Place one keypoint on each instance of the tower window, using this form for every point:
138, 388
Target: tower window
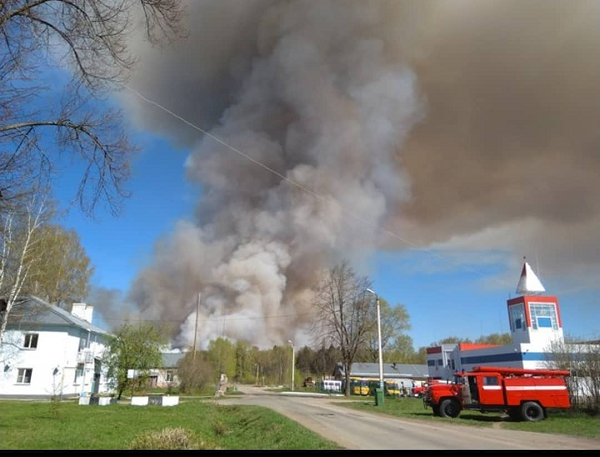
543, 315
517, 317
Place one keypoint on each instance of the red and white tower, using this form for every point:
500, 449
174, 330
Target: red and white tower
534, 318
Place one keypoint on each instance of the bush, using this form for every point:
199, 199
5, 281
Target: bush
167, 439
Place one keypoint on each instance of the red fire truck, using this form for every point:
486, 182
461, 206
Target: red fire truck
523, 394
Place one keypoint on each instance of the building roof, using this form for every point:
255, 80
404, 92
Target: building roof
390, 370
529, 283
170, 359
35, 311
473, 346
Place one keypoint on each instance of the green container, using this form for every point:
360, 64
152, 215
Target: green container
378, 397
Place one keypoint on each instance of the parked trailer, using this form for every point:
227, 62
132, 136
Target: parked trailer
522, 393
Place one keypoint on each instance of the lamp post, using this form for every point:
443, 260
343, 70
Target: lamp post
379, 339
293, 362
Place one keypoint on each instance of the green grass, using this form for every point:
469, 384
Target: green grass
412, 408
32, 425
561, 422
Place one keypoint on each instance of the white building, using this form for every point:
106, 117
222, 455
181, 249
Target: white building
47, 351
535, 323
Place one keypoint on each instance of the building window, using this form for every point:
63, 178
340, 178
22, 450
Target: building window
517, 317
24, 376
169, 376
78, 374
83, 343
490, 381
31, 341
543, 315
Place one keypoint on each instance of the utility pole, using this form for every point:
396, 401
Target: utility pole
293, 362
196, 327
257, 365
379, 339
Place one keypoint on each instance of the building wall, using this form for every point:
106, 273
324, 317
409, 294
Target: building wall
54, 362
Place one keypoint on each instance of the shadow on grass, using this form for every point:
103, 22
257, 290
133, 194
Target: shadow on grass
484, 418
463, 417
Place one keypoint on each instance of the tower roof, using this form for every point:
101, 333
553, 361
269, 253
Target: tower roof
529, 283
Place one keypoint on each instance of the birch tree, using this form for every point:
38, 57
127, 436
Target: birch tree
18, 253
344, 313
63, 270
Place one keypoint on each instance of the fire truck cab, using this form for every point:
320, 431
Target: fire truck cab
523, 394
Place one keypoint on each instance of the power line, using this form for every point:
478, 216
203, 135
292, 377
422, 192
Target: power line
308, 191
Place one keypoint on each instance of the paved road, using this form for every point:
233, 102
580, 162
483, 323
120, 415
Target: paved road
358, 430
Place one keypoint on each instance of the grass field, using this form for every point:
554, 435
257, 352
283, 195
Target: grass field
561, 422
33, 425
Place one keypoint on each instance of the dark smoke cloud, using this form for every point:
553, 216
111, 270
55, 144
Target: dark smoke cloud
509, 154
110, 305
466, 124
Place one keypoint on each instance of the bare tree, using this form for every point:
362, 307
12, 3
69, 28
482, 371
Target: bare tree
91, 38
17, 253
344, 313
582, 359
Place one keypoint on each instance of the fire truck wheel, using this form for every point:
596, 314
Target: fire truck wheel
532, 411
449, 408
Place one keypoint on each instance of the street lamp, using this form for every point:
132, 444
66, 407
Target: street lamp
293, 362
379, 338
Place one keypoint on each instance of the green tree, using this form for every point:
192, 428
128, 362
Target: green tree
133, 348
326, 360
451, 340
500, 339
63, 270
194, 373
401, 351
394, 322
421, 356
245, 365
221, 353
304, 360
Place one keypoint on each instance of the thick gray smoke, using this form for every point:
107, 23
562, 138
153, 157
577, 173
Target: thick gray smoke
310, 90
110, 307
467, 124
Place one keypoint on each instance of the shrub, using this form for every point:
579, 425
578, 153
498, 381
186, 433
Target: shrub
167, 439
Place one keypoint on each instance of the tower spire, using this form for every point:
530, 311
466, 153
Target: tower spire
529, 283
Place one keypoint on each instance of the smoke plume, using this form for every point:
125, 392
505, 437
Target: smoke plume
466, 123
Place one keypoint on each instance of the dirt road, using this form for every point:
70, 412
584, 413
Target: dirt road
358, 430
